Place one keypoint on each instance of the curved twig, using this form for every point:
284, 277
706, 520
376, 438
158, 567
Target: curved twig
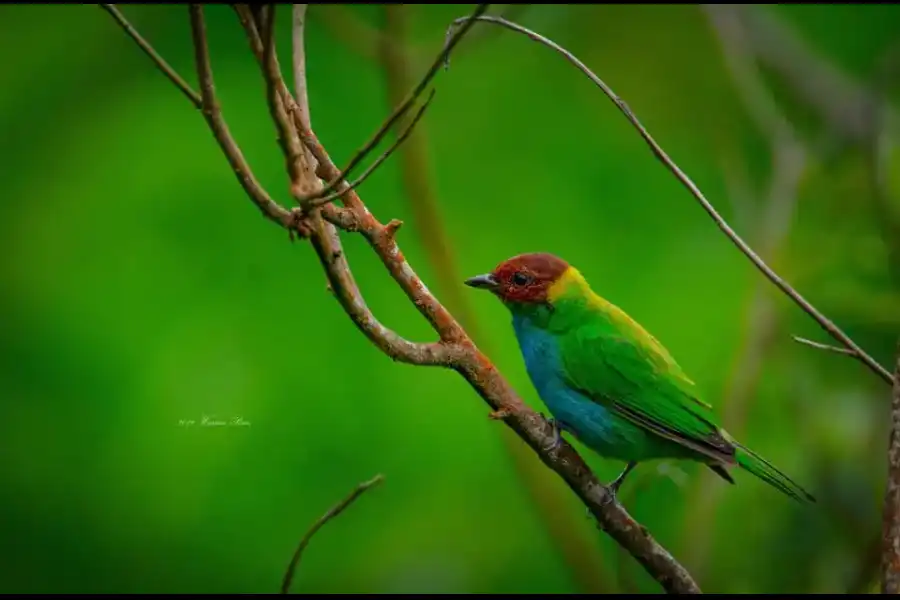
333, 512
465, 23
833, 330
404, 135
213, 115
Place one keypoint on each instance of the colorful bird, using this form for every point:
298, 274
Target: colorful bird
606, 380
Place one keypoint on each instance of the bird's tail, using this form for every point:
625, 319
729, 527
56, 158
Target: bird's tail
763, 469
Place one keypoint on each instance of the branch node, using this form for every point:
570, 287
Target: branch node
499, 415
299, 224
825, 347
390, 230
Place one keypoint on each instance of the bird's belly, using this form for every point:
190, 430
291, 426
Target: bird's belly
593, 424
596, 427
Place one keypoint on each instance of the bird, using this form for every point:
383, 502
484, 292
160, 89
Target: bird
607, 381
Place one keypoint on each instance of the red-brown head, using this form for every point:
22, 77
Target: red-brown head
526, 278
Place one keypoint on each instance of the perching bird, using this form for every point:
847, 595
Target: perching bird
606, 380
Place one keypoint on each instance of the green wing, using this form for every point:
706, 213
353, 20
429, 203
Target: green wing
623, 367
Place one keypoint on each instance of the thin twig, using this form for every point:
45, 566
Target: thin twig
788, 160
287, 135
404, 135
298, 62
327, 242
890, 549
657, 150
465, 24
160, 62
213, 115
821, 346
333, 512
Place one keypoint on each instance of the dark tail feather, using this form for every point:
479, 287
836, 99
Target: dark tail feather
721, 472
763, 469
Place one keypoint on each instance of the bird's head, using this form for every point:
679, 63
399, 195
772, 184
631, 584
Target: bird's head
527, 279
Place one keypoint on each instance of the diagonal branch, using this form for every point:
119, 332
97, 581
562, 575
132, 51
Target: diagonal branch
213, 115
566, 528
483, 376
455, 350
326, 242
833, 330
890, 552
160, 62
788, 163
404, 135
273, 76
333, 512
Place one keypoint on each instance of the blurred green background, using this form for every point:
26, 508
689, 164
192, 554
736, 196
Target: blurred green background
142, 290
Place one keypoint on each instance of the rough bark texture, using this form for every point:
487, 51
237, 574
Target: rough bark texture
890, 553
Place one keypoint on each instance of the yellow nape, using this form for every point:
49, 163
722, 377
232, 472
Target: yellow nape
569, 283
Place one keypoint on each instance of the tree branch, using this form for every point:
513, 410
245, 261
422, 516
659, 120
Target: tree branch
465, 24
565, 527
333, 512
298, 44
213, 115
833, 330
455, 350
346, 26
890, 551
287, 135
404, 135
788, 163
160, 62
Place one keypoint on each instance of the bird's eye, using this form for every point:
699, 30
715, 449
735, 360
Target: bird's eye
520, 279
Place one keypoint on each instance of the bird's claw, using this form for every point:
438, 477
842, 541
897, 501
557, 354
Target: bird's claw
610, 496
556, 442
613, 487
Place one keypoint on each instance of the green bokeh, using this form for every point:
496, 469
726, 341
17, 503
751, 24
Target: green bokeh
141, 288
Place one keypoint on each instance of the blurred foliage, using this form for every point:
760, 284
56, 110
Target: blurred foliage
140, 289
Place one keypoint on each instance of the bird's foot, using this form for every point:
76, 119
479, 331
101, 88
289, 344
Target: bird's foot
609, 497
613, 487
558, 428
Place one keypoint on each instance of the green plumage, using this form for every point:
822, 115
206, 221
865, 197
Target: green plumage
612, 360
615, 387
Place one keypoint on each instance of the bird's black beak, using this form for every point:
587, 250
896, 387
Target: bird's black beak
485, 282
